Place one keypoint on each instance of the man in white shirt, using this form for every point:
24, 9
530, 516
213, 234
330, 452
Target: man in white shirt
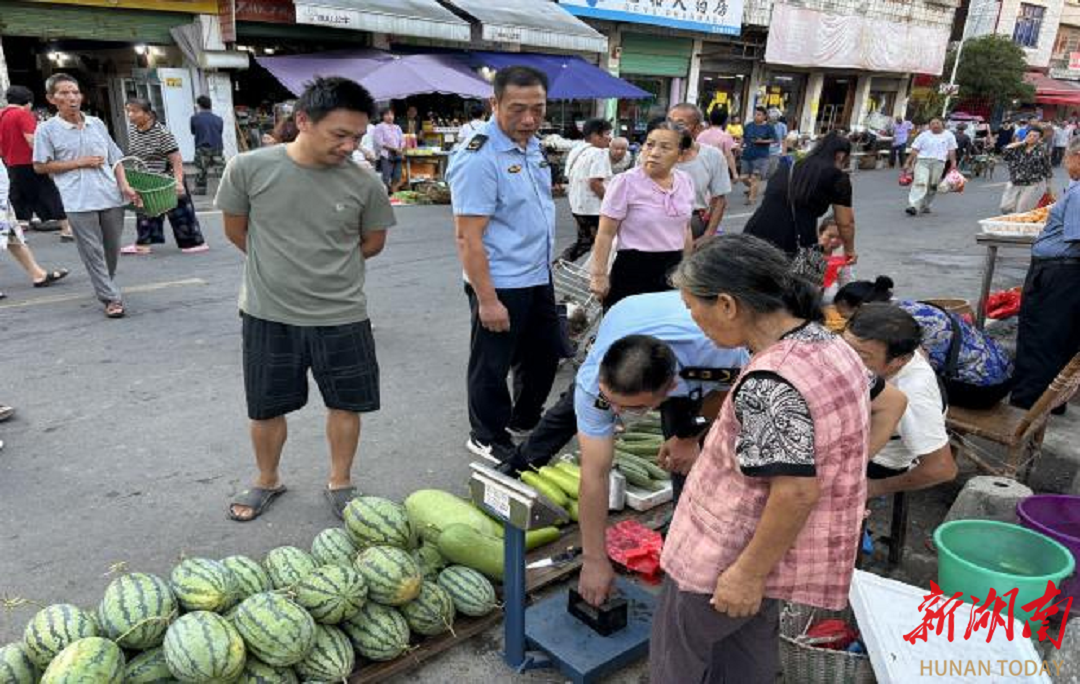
587, 168
888, 339
469, 129
928, 155
1062, 133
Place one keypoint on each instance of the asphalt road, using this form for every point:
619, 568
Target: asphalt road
131, 435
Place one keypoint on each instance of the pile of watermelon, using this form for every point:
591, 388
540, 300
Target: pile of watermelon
366, 588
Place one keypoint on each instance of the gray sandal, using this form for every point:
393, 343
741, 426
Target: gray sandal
258, 499
339, 499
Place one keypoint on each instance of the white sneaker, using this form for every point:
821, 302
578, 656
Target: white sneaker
484, 451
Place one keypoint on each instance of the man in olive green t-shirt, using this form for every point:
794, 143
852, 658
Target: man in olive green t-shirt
308, 218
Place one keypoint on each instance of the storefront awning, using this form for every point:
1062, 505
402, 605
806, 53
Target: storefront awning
569, 77
539, 23
423, 18
1052, 91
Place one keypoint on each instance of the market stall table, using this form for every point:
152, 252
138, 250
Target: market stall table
425, 165
993, 242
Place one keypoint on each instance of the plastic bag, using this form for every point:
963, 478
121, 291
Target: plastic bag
636, 547
1046, 200
906, 178
953, 181
1003, 304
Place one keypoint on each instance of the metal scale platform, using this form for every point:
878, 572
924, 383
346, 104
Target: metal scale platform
556, 638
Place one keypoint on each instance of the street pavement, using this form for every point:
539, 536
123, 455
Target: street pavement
130, 435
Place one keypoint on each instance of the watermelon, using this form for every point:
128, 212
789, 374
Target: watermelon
203, 584
250, 577
92, 660
149, 667
136, 611
53, 628
16, 666
393, 578
276, 630
331, 659
331, 593
430, 613
334, 546
378, 632
373, 521
258, 672
204, 646
430, 560
430, 511
471, 592
287, 565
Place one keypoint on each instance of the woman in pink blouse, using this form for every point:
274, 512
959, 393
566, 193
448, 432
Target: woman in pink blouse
649, 209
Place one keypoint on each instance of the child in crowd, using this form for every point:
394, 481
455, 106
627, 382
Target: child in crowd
838, 272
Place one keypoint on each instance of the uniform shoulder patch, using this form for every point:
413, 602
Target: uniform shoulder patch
476, 142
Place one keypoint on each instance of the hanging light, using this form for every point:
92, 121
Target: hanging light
140, 49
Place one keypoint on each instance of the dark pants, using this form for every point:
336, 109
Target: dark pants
635, 272
896, 153
691, 642
1049, 333
184, 222
207, 161
586, 236
1057, 155
531, 348
34, 193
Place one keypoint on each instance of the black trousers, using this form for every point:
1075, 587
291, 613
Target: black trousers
1049, 333
586, 236
636, 272
531, 349
896, 152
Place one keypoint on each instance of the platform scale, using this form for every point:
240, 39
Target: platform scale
546, 634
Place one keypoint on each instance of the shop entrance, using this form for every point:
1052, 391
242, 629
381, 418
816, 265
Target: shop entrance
834, 110
721, 91
634, 115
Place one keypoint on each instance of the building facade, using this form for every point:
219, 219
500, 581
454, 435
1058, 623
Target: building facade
1032, 24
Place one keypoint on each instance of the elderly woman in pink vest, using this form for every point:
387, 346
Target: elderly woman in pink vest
773, 506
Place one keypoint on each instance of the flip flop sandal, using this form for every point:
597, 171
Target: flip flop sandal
52, 277
67, 238
133, 249
258, 499
114, 310
6, 412
339, 499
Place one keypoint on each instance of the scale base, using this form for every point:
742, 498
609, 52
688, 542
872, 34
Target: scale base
577, 651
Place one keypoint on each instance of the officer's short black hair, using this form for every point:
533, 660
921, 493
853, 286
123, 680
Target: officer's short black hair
595, 127
637, 364
324, 95
520, 77
889, 324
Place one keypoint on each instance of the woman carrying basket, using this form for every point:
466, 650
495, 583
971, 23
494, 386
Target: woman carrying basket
77, 151
156, 147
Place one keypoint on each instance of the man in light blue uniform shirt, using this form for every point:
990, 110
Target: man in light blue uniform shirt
504, 224
1049, 330
662, 322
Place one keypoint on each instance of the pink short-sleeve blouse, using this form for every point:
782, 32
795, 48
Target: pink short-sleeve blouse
651, 219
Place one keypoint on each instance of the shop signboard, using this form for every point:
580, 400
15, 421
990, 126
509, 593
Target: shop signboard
334, 17
227, 19
185, 6
266, 11
1074, 61
708, 16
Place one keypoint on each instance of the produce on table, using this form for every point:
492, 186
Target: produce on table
1034, 216
16, 666
250, 577
334, 546
287, 565
149, 667
53, 628
93, 660
463, 545
572, 509
430, 613
430, 560
331, 593
203, 584
568, 483
378, 632
331, 659
393, 578
258, 672
203, 646
276, 630
546, 488
473, 595
374, 521
136, 610
431, 511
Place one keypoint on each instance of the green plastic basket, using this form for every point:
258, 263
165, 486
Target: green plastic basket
158, 192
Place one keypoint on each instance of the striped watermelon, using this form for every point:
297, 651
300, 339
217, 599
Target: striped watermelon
393, 578
471, 592
430, 613
136, 611
258, 672
331, 659
378, 632
203, 584
276, 630
16, 666
331, 593
287, 565
53, 628
250, 577
430, 560
149, 667
92, 660
334, 546
374, 521
203, 646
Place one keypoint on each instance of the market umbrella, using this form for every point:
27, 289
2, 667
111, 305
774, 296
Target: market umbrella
386, 76
569, 77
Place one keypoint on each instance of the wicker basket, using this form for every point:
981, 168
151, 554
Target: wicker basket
158, 192
805, 664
